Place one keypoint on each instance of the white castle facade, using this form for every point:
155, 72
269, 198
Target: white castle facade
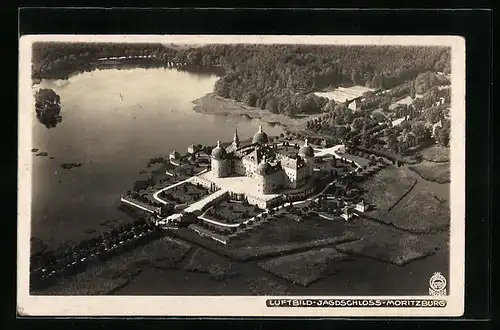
271, 166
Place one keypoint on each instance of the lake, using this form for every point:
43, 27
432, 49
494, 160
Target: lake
113, 122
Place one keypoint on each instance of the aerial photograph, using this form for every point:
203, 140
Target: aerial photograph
239, 169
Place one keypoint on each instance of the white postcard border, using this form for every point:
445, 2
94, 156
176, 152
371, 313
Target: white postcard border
29, 305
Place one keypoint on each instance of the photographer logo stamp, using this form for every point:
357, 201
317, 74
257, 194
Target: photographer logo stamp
437, 285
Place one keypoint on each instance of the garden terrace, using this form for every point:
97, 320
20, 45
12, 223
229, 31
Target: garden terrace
185, 193
328, 207
228, 211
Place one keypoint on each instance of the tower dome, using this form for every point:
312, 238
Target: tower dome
218, 152
263, 168
260, 137
306, 150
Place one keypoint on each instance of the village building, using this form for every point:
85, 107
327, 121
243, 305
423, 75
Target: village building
174, 155
347, 213
192, 149
361, 206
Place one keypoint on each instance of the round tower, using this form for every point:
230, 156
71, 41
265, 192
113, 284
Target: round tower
218, 161
262, 171
307, 153
260, 137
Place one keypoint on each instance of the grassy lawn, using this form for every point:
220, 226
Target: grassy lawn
436, 154
217, 267
388, 245
108, 276
387, 186
264, 286
430, 171
306, 267
423, 212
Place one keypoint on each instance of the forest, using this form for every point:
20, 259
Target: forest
278, 78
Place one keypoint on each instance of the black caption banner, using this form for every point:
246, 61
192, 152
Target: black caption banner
425, 303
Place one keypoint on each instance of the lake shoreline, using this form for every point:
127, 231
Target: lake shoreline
212, 104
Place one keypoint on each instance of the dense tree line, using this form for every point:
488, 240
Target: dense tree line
273, 77
74, 257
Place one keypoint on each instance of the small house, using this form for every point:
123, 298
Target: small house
361, 206
193, 149
347, 213
174, 155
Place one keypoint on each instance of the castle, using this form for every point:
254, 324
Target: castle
271, 166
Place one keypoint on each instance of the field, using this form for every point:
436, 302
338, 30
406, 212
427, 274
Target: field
217, 267
388, 245
264, 286
306, 267
430, 171
436, 154
423, 212
109, 276
386, 187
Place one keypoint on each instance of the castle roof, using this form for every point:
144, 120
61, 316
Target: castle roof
219, 153
260, 137
306, 150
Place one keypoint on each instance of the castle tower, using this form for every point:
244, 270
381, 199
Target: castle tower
307, 153
260, 137
236, 139
263, 170
219, 161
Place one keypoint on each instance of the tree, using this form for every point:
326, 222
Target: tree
250, 99
48, 107
378, 116
368, 95
329, 106
392, 141
358, 123
442, 136
421, 131
272, 105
